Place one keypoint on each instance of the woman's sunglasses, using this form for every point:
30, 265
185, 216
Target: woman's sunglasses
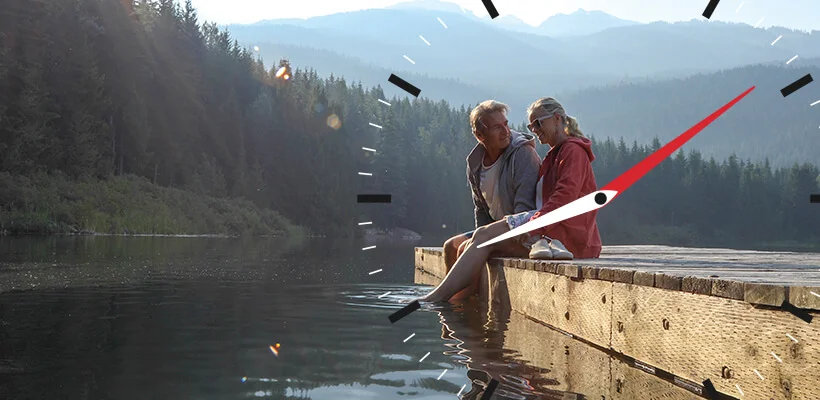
537, 123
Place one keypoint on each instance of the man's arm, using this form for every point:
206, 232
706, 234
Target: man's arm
526, 165
482, 215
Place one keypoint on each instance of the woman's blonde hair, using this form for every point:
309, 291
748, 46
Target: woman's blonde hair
550, 106
484, 108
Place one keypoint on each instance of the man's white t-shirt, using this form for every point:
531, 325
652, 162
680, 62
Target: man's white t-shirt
489, 188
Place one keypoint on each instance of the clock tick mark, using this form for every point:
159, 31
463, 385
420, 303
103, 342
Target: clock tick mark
442, 22
366, 173
377, 126
792, 59
778, 38
366, 223
408, 59
405, 311
408, 338
374, 198
383, 102
401, 83
369, 248
425, 356
425, 40
490, 389
376, 271
710, 8
368, 149
796, 85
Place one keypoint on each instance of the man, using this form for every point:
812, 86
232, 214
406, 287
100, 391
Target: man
502, 170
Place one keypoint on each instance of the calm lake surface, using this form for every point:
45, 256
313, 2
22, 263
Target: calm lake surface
195, 318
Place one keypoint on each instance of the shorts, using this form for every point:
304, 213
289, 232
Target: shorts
516, 220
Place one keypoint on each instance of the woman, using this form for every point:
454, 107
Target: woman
565, 176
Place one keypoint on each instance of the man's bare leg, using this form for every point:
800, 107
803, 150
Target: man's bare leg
469, 265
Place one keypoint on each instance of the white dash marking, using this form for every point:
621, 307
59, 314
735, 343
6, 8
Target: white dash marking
425, 356
818, 295
758, 374
778, 38
384, 295
442, 22
384, 102
366, 223
462, 389
442, 374
738, 7
776, 357
377, 126
792, 338
738, 389
369, 248
376, 271
758, 22
408, 338
425, 40
818, 101
366, 173
793, 58
368, 149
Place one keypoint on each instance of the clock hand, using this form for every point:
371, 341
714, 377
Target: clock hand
600, 198
592, 201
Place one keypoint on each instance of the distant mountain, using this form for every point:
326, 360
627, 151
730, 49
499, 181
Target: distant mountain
764, 124
581, 22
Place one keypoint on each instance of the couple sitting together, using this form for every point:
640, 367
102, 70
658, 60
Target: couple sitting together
512, 186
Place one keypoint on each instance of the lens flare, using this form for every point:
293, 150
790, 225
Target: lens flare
275, 349
334, 122
281, 72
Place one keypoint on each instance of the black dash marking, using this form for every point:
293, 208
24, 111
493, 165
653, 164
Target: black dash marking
404, 311
796, 85
490, 8
375, 198
709, 390
404, 85
710, 8
815, 198
490, 389
798, 312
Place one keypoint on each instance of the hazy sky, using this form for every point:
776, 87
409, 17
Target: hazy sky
797, 14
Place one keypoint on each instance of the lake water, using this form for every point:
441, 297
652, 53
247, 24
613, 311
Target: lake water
195, 318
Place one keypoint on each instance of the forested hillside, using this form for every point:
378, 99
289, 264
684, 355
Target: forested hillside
102, 89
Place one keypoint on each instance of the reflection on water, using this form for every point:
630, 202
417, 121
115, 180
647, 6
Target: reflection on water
194, 318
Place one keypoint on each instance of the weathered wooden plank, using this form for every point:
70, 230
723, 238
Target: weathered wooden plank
644, 278
616, 275
693, 284
629, 383
805, 296
728, 289
557, 300
765, 294
666, 281
695, 337
588, 272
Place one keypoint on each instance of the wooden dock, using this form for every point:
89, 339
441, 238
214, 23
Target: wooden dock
744, 321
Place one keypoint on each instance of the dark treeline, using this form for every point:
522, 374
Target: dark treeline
95, 89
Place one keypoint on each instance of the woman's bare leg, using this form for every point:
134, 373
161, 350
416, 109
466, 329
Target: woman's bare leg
474, 286
452, 249
469, 265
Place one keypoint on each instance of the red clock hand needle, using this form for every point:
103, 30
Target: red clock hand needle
602, 197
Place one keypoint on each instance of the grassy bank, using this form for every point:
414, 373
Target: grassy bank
52, 204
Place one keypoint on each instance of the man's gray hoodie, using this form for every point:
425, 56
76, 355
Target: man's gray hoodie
516, 181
